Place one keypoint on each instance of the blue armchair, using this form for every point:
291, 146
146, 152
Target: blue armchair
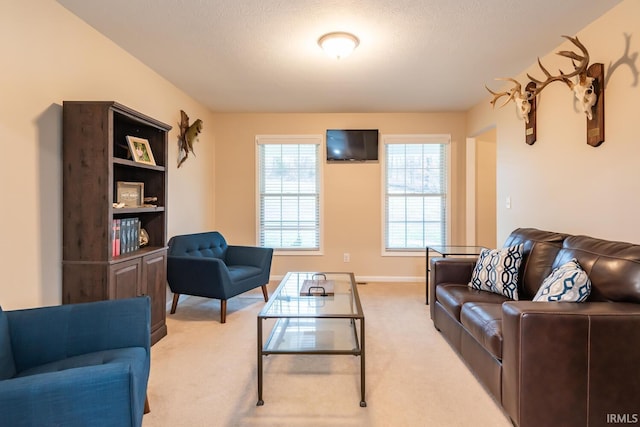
203, 264
75, 365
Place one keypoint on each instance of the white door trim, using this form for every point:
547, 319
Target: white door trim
470, 205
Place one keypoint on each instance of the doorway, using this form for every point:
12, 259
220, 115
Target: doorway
481, 189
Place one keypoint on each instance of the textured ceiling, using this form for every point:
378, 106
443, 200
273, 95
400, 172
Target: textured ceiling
262, 55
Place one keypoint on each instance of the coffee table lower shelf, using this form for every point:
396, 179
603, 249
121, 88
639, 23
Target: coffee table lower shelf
339, 335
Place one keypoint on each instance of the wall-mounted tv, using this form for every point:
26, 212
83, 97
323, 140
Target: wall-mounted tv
352, 145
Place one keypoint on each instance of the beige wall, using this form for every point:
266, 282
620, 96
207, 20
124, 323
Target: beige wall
486, 189
352, 205
561, 183
49, 55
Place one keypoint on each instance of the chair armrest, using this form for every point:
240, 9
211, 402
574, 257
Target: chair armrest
249, 255
46, 334
570, 364
201, 276
73, 397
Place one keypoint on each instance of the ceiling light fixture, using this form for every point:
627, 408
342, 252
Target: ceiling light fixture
338, 44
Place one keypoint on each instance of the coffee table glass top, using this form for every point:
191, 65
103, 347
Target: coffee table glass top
286, 300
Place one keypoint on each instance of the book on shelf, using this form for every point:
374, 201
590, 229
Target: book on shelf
317, 288
125, 236
116, 237
113, 238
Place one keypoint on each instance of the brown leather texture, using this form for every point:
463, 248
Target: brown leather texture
540, 250
449, 270
486, 368
612, 267
550, 363
570, 364
453, 297
484, 322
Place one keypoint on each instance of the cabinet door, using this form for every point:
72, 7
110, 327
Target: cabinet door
124, 279
154, 284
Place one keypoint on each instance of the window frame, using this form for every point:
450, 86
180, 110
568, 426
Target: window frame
421, 139
309, 139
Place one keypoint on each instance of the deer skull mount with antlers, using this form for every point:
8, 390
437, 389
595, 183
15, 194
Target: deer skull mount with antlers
587, 88
587, 84
515, 94
585, 94
582, 87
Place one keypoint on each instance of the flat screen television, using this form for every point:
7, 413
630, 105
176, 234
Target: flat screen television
352, 145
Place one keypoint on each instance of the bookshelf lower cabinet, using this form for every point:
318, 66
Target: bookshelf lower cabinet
124, 279
153, 282
143, 274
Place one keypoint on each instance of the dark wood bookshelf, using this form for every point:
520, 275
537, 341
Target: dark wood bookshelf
95, 158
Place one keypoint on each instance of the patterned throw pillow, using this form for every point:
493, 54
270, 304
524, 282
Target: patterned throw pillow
497, 271
567, 283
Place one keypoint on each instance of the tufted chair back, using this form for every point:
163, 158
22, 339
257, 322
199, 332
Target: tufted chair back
210, 244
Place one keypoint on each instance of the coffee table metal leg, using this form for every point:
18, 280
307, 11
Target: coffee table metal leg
363, 402
426, 277
260, 401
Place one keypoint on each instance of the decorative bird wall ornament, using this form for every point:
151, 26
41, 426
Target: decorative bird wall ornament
188, 135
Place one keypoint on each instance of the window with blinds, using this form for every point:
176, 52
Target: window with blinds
416, 182
289, 192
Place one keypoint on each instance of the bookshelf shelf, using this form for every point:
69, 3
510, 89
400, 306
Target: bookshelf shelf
95, 158
128, 211
131, 163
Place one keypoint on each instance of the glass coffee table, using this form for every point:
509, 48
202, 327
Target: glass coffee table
313, 313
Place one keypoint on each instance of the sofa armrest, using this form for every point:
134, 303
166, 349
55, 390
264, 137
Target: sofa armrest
249, 255
46, 334
448, 270
570, 364
451, 270
84, 396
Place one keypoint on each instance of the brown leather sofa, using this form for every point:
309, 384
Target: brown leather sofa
550, 363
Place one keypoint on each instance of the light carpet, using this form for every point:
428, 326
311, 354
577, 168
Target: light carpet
204, 373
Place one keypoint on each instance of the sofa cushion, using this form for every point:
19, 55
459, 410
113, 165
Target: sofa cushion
567, 283
484, 322
539, 253
613, 267
7, 366
453, 296
497, 271
240, 272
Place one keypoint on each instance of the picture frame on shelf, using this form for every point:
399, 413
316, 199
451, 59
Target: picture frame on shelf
131, 194
140, 150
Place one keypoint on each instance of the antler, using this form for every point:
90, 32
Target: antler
514, 94
511, 93
579, 69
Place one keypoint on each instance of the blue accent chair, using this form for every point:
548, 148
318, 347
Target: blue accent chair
75, 365
204, 265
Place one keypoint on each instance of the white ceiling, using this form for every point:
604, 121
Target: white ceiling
262, 55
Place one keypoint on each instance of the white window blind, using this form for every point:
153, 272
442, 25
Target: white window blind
416, 191
289, 192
